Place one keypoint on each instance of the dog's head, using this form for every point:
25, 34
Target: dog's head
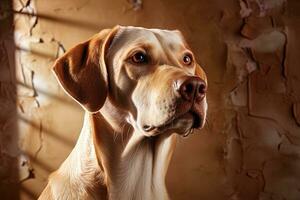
149, 74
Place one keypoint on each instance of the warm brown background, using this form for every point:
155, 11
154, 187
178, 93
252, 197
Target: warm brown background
249, 150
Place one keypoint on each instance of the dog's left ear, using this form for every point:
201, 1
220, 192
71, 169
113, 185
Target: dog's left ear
200, 72
82, 72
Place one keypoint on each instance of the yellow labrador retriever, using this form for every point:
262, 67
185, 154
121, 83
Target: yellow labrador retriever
138, 87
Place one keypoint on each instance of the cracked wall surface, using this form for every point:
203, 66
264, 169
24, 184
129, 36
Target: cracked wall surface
250, 147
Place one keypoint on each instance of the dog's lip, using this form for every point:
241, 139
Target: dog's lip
197, 121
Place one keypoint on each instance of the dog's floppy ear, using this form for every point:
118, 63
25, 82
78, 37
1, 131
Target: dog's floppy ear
200, 72
82, 72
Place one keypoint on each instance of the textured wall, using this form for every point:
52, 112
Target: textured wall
250, 147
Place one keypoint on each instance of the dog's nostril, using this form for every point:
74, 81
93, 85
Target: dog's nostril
202, 88
188, 88
147, 128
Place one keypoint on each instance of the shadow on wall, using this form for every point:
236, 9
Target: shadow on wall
68, 21
21, 130
9, 151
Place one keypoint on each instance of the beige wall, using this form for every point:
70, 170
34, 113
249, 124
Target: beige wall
250, 148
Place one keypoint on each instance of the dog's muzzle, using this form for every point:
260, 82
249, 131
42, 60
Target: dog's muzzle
191, 92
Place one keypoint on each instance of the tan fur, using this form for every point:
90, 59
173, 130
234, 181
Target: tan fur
115, 158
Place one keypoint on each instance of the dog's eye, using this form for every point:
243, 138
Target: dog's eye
139, 58
187, 59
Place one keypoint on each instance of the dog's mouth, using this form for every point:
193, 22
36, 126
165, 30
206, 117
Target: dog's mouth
183, 124
197, 119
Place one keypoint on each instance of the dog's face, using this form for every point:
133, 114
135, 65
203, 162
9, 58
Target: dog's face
149, 74
152, 75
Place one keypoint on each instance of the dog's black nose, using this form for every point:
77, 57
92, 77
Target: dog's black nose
192, 88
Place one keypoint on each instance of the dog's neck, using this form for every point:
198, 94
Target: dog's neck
133, 166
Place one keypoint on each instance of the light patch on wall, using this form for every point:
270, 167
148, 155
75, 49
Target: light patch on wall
266, 42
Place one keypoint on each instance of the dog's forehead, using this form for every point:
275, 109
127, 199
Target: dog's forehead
164, 37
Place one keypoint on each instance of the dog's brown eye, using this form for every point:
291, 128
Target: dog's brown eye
187, 59
139, 58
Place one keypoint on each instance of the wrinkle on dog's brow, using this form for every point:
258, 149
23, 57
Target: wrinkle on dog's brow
115, 39
171, 57
123, 38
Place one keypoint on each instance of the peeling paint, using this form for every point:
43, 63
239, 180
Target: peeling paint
136, 4
245, 10
265, 129
296, 112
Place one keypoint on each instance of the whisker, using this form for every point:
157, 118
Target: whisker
172, 123
207, 123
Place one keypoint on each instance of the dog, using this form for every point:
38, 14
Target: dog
141, 89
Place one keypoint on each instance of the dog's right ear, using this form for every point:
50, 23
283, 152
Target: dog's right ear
82, 72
